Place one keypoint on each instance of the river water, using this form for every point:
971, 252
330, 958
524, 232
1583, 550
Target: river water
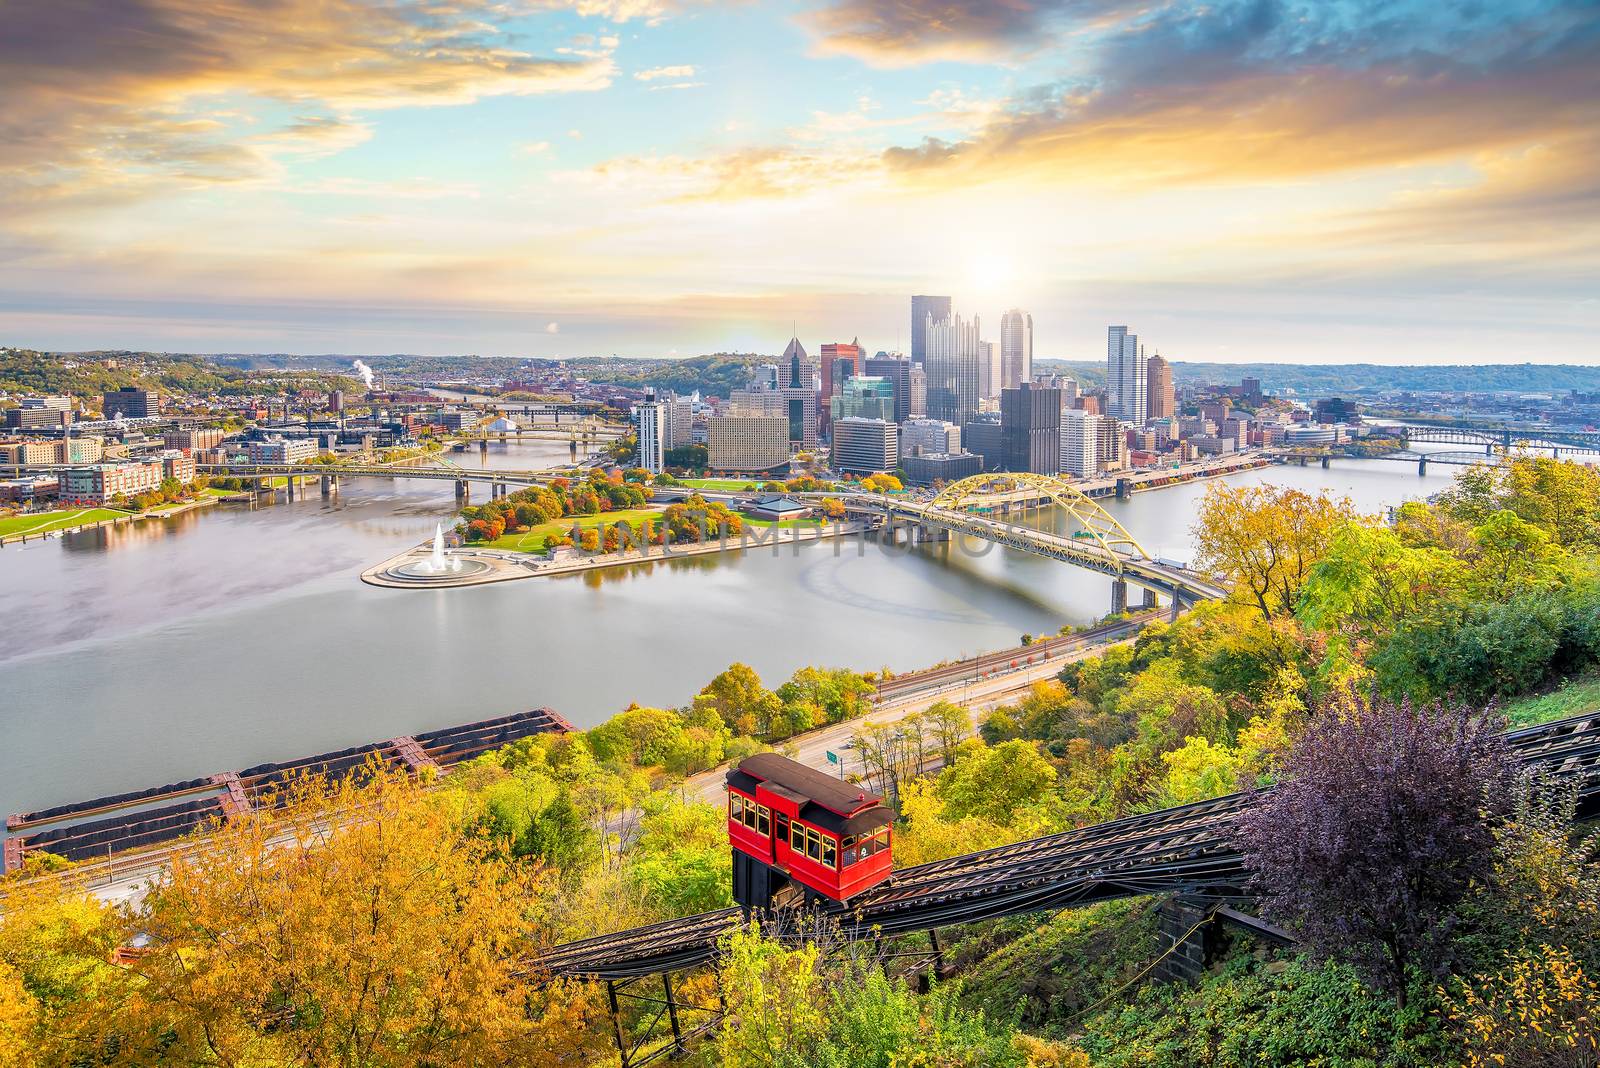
167, 649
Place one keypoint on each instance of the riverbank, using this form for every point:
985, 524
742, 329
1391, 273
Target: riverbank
71, 521
505, 565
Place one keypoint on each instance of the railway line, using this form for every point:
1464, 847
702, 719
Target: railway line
1185, 850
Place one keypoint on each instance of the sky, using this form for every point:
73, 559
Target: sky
1277, 180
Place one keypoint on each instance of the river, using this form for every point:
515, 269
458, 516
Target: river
167, 649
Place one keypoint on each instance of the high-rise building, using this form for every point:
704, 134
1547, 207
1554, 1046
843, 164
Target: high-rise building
1030, 427
952, 361
1080, 435
898, 371
1127, 377
650, 421
130, 402
1111, 445
1016, 348
679, 413
865, 397
983, 436
747, 444
918, 436
1162, 402
989, 374
838, 362
917, 389
923, 311
865, 446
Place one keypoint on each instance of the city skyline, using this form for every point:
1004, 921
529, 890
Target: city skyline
1263, 180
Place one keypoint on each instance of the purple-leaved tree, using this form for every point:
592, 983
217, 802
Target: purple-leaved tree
1384, 819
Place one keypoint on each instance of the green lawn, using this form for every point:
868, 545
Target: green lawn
40, 522
213, 491
1576, 697
532, 540
724, 485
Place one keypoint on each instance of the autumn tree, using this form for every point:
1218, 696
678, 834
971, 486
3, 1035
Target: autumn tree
1384, 822
351, 925
1266, 539
741, 701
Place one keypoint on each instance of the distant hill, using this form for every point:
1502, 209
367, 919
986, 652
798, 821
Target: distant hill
1322, 379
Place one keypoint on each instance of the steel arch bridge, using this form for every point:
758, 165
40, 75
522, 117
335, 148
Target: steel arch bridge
1101, 544
978, 490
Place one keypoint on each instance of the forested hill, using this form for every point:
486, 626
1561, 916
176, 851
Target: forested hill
1370, 377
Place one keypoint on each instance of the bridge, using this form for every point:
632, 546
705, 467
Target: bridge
500, 482
1097, 541
1501, 437
1187, 852
1303, 455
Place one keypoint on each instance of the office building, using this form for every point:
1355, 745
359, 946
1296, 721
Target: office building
1111, 445
190, 440
839, 362
919, 436
1080, 438
1217, 411
865, 397
1030, 423
925, 310
24, 453
934, 467
1162, 402
99, 484
898, 371
953, 362
37, 413
679, 414
650, 423
1336, 410
865, 446
130, 402
1016, 348
277, 450
82, 449
983, 436
989, 379
1127, 377
747, 444
917, 389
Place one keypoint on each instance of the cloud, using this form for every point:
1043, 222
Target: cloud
899, 33
678, 85
655, 73
534, 148
754, 173
106, 100
1264, 90
552, 328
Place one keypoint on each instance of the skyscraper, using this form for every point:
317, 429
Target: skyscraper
652, 433
1080, 431
952, 361
1016, 348
1162, 402
898, 371
798, 376
1127, 384
989, 375
1030, 428
917, 390
839, 362
923, 311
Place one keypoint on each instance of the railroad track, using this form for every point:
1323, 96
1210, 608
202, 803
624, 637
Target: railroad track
1183, 850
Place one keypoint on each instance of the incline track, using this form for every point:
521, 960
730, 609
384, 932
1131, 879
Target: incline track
1184, 850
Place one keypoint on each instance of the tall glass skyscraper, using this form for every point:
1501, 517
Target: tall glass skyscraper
923, 311
1127, 377
954, 368
1016, 348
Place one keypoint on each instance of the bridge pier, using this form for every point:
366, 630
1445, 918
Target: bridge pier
1124, 489
1119, 596
1422, 466
1301, 460
1327, 462
330, 485
290, 483
1148, 601
463, 491
1186, 928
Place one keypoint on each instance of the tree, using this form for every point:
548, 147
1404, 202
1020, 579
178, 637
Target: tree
1266, 539
1384, 823
994, 782
741, 701
348, 925
950, 724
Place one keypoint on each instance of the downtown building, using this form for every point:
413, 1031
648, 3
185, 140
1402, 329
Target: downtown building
864, 397
926, 436
898, 371
925, 310
650, 423
953, 362
1127, 377
130, 402
1030, 429
865, 446
1081, 442
1162, 401
1016, 348
747, 444
99, 484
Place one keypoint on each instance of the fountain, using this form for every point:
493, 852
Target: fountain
437, 567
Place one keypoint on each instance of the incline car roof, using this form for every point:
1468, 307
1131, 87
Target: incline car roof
831, 793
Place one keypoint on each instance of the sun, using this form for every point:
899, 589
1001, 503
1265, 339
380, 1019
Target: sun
989, 273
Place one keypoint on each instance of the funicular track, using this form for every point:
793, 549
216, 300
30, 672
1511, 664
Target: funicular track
1185, 850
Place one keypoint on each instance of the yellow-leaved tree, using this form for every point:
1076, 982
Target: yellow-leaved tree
1267, 539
